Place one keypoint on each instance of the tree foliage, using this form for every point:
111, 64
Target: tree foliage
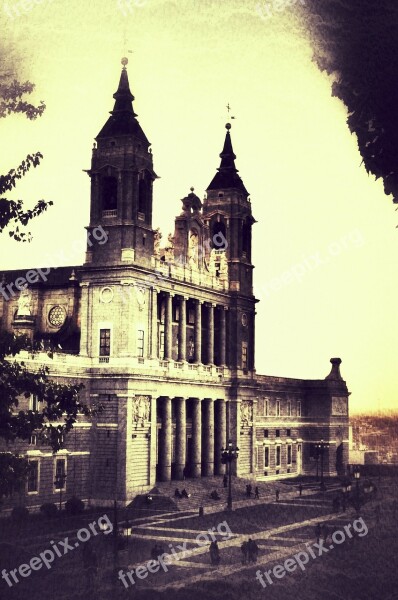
58, 404
355, 41
12, 212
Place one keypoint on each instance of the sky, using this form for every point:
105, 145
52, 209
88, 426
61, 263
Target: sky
325, 242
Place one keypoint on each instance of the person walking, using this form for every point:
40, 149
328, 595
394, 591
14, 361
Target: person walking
214, 553
256, 493
245, 553
300, 490
253, 550
225, 481
318, 532
277, 495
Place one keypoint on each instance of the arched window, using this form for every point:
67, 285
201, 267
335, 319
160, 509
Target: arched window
246, 235
109, 193
219, 236
144, 192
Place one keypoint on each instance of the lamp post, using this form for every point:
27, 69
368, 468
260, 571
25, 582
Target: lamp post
228, 455
357, 477
321, 447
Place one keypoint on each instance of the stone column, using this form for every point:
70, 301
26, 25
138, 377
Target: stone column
154, 324
168, 333
223, 335
84, 320
196, 466
181, 437
208, 438
182, 330
221, 434
198, 331
210, 339
165, 440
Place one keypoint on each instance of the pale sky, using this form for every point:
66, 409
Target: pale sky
325, 244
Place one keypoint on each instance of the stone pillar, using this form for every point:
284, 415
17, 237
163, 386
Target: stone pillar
196, 466
182, 330
165, 440
221, 434
168, 332
210, 339
154, 324
198, 331
84, 320
208, 438
181, 437
223, 335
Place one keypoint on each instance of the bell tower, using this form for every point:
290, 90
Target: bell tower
122, 176
228, 213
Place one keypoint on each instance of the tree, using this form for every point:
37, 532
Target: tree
59, 403
355, 42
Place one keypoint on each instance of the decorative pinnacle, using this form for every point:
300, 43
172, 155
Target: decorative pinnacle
124, 61
192, 189
228, 126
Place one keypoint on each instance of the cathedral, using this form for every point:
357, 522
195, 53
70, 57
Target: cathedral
162, 335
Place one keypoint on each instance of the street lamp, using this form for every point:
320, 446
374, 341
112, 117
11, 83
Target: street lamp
320, 448
357, 477
228, 455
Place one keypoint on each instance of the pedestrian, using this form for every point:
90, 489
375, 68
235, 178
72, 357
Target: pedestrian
277, 495
253, 550
249, 490
318, 532
324, 532
256, 492
214, 553
245, 553
300, 490
225, 481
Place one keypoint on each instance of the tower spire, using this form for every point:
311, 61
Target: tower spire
123, 119
227, 175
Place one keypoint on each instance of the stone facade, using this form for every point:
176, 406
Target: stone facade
163, 338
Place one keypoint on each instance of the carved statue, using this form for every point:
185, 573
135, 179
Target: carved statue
193, 243
246, 412
169, 250
157, 238
141, 410
25, 303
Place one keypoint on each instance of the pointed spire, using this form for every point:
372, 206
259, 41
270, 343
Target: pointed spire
227, 176
123, 119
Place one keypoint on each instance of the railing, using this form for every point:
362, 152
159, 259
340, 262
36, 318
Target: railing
104, 359
109, 213
141, 360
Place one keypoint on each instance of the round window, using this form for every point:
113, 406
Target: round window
56, 316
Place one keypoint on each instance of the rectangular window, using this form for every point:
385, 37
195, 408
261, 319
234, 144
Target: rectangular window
244, 355
278, 456
140, 343
277, 433
266, 408
33, 440
105, 342
289, 408
289, 454
288, 433
265, 433
33, 403
33, 476
176, 313
266, 457
161, 345
299, 408
278, 408
191, 316
60, 474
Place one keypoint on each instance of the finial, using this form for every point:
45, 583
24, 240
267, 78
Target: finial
124, 61
192, 189
228, 126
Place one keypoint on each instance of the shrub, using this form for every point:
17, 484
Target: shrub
49, 509
74, 506
20, 513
